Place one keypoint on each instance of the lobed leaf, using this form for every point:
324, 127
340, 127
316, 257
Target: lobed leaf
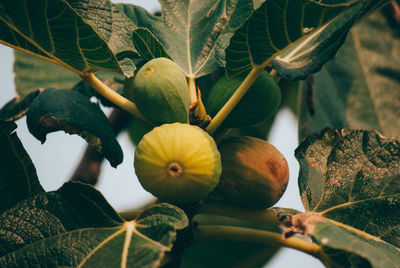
73, 112
191, 31
308, 32
75, 226
350, 186
18, 179
72, 33
359, 87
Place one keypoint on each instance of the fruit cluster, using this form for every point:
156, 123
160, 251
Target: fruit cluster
179, 162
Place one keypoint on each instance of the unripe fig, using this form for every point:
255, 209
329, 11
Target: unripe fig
160, 92
254, 173
178, 163
260, 102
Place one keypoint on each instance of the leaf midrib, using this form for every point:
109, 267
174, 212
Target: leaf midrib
367, 236
348, 204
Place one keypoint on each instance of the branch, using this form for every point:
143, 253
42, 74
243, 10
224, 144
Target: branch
88, 170
234, 233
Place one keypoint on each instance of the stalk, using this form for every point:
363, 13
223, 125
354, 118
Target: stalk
192, 90
234, 233
259, 215
236, 97
112, 96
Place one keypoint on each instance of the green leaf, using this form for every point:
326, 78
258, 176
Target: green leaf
73, 34
77, 227
351, 173
372, 251
309, 56
191, 31
18, 179
122, 26
359, 87
343, 245
351, 181
73, 112
17, 107
32, 73
306, 27
148, 45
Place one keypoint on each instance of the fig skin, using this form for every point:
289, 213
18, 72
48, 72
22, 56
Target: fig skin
254, 173
261, 101
160, 92
178, 163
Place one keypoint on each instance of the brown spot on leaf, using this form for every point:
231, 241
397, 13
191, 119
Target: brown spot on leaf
334, 181
301, 224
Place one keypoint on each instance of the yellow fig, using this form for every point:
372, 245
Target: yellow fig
178, 163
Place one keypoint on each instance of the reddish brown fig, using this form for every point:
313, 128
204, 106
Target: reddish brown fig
254, 173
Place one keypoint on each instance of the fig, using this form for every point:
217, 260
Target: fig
178, 163
254, 173
160, 92
261, 101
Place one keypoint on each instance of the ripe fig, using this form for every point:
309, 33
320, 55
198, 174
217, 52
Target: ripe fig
160, 92
254, 173
260, 102
178, 163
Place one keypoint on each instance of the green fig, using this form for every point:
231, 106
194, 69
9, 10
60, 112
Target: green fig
160, 92
261, 101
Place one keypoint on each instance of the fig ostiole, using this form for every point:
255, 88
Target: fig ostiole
261, 101
178, 163
160, 92
254, 173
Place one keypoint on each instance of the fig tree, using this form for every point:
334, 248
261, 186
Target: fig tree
254, 173
160, 92
260, 102
178, 163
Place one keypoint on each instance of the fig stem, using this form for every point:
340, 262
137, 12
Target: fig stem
192, 90
130, 215
275, 75
235, 98
235, 233
112, 96
259, 215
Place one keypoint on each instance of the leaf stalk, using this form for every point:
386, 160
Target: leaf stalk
192, 90
235, 98
112, 96
235, 233
258, 215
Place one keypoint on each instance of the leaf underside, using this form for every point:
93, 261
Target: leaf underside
68, 110
348, 173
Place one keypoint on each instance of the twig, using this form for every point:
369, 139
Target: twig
88, 169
